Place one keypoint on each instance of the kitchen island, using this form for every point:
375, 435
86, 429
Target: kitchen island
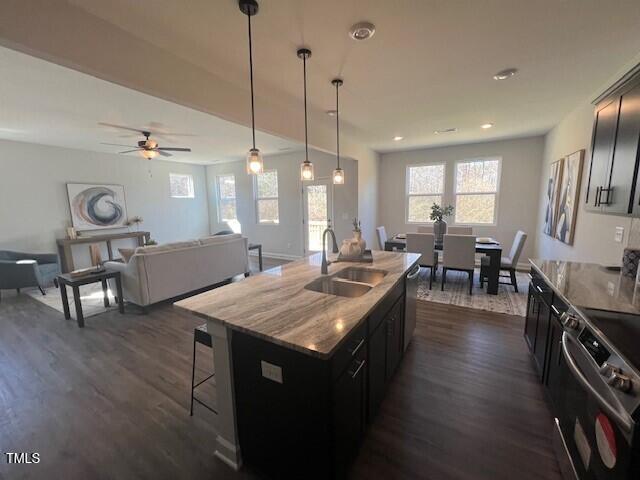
302, 360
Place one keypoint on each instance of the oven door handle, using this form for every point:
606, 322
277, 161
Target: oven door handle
624, 421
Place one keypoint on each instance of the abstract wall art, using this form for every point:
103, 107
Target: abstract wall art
571, 178
95, 207
551, 198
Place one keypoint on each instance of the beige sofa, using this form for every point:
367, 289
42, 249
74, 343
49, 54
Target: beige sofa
159, 272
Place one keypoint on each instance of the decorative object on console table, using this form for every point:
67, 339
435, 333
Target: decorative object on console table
71, 233
630, 260
96, 257
553, 192
439, 225
570, 180
137, 220
95, 207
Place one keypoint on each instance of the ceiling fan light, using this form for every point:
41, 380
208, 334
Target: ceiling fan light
149, 154
306, 171
338, 176
255, 164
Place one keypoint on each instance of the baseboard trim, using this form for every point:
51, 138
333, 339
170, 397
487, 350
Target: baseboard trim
279, 256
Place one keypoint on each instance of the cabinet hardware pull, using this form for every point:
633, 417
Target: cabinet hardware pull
530, 276
355, 374
539, 289
597, 202
358, 346
555, 310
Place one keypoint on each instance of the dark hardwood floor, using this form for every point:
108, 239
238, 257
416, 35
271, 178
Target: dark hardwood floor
112, 400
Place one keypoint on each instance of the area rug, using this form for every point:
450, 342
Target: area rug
456, 292
91, 295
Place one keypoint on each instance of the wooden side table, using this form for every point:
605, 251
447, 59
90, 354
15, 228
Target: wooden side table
65, 280
257, 246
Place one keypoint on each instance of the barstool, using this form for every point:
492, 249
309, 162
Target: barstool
201, 336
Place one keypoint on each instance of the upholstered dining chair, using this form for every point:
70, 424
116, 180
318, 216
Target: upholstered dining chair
458, 253
424, 244
460, 230
381, 232
425, 229
509, 263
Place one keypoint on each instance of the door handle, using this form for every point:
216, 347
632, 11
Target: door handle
539, 289
623, 420
357, 371
357, 348
555, 310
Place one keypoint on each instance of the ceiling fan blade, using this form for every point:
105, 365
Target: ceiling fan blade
174, 149
129, 151
121, 127
117, 145
164, 154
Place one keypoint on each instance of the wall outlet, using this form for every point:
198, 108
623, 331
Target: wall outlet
271, 371
619, 234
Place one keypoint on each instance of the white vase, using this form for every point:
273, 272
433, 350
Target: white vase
350, 248
357, 236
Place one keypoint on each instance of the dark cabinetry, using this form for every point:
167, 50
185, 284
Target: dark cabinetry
310, 416
614, 154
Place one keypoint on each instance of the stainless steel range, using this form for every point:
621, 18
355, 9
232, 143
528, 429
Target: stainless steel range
599, 390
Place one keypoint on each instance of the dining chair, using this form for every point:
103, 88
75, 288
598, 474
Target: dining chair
425, 229
381, 232
458, 253
460, 230
424, 244
509, 263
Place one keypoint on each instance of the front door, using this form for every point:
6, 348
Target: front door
318, 209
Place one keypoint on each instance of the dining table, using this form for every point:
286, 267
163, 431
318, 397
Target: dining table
491, 249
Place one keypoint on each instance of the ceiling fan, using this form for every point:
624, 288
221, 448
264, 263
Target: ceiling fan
148, 147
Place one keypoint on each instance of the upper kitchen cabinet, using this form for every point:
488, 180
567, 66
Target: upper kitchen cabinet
614, 159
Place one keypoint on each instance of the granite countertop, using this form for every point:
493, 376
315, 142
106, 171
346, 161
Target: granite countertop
590, 286
274, 304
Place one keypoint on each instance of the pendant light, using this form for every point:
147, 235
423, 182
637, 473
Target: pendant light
306, 167
255, 164
338, 173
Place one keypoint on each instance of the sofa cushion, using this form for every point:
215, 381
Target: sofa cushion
213, 239
166, 247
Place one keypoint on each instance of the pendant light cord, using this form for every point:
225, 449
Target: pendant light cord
337, 125
253, 114
306, 129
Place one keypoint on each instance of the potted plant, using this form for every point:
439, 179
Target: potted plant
357, 235
439, 225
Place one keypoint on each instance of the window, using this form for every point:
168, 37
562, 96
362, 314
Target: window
226, 198
425, 186
181, 185
266, 188
476, 191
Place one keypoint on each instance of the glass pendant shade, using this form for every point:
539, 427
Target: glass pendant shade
338, 176
306, 171
149, 154
255, 164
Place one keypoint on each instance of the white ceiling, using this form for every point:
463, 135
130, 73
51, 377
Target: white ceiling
44, 103
428, 67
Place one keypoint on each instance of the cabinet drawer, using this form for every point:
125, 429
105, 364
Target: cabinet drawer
540, 287
385, 306
350, 349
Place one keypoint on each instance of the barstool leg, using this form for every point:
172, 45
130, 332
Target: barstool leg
193, 374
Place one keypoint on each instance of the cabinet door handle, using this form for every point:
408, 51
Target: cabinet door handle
539, 289
555, 310
358, 347
355, 374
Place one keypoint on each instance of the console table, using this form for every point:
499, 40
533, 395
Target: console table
65, 244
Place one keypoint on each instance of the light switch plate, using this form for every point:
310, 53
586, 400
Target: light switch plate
619, 234
271, 371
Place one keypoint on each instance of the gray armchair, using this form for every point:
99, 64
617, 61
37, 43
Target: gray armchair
19, 270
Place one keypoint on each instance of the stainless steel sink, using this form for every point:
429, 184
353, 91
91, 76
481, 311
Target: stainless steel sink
334, 286
369, 276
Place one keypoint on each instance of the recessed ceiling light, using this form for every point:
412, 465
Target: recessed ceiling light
446, 130
362, 30
506, 73
397, 138
331, 113
486, 125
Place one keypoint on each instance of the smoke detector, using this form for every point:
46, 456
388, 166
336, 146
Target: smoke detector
362, 30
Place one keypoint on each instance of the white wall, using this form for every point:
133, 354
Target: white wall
285, 239
34, 207
369, 195
594, 235
519, 186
